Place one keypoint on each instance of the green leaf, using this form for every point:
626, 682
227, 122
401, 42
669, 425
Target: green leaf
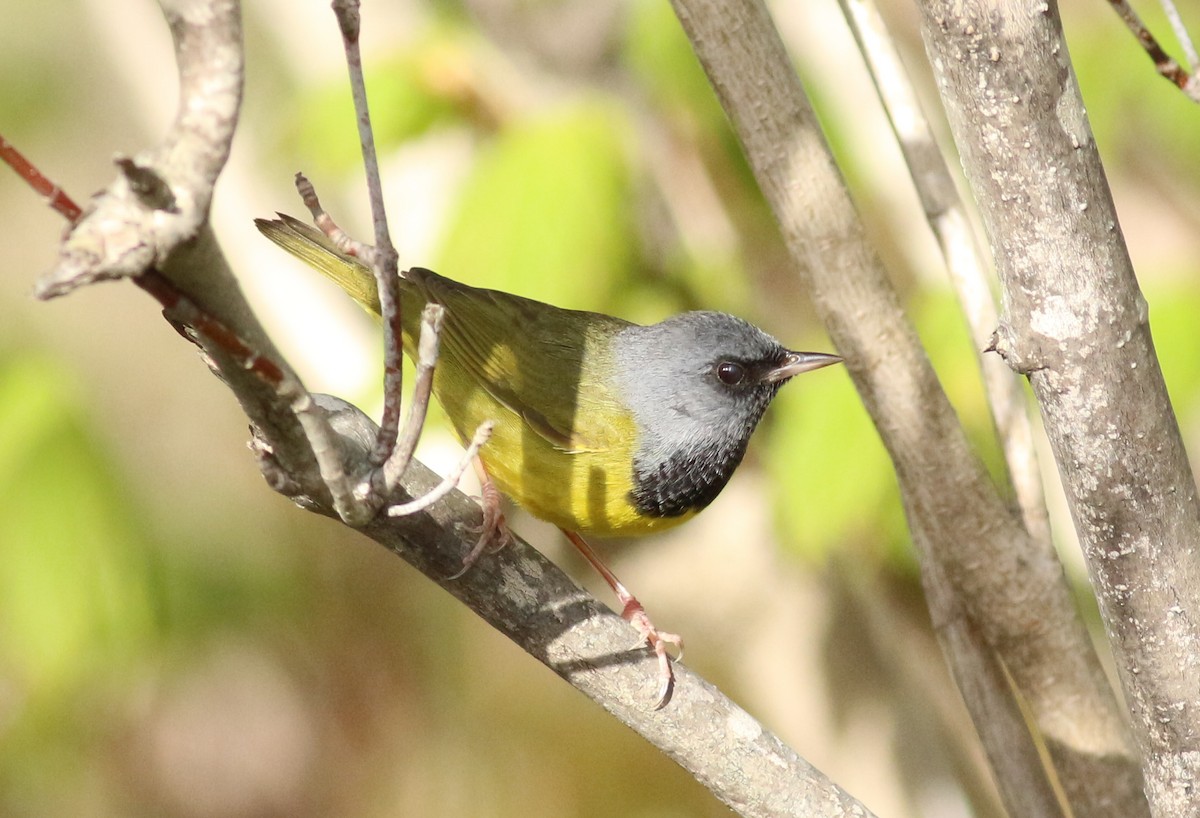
832, 477
74, 573
660, 56
545, 212
411, 92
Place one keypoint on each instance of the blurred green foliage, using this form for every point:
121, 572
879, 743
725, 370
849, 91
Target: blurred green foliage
77, 591
1139, 118
559, 203
546, 210
416, 89
78, 586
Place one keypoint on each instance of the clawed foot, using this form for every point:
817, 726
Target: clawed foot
493, 531
635, 615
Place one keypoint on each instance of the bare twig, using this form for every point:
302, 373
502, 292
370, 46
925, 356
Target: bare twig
321, 218
1181, 34
1164, 64
56, 198
968, 270
432, 318
382, 259
450, 481
379, 482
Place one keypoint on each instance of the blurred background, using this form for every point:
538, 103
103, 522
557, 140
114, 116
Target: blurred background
177, 640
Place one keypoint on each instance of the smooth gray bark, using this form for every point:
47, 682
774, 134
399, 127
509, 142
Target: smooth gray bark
1075, 321
1010, 585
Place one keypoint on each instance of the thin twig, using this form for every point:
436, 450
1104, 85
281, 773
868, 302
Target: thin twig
432, 318
1164, 64
450, 482
325, 223
56, 197
383, 259
380, 481
1181, 34
965, 261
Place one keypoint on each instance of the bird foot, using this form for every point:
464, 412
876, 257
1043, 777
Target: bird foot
635, 615
493, 531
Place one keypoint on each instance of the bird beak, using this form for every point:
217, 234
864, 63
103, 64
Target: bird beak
798, 362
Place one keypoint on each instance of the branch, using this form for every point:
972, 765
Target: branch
1164, 64
55, 196
964, 258
532, 602
1075, 320
1010, 585
382, 256
1181, 33
161, 199
151, 225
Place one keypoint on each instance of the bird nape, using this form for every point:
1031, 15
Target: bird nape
600, 426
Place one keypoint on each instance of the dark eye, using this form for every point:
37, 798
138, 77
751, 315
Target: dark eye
730, 373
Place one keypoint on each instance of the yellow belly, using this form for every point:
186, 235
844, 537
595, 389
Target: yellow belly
584, 491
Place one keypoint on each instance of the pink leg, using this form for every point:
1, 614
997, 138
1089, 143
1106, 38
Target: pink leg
633, 613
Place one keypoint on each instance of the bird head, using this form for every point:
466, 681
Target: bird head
698, 384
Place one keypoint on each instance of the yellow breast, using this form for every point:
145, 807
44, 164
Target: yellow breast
585, 491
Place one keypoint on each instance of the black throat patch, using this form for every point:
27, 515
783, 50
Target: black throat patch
687, 481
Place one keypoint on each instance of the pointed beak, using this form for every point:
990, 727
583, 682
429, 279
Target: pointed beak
798, 362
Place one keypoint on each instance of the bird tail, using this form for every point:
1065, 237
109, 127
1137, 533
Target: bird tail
316, 250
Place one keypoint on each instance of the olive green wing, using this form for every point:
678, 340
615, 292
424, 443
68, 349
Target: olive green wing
549, 366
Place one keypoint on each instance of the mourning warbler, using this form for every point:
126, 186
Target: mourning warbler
601, 426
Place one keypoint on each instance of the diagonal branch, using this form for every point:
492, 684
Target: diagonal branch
1011, 586
1075, 320
1164, 63
152, 225
532, 602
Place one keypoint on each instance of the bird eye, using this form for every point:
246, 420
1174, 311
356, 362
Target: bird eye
730, 373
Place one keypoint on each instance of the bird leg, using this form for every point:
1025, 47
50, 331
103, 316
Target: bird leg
633, 613
493, 531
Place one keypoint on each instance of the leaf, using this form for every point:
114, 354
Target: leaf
545, 212
420, 88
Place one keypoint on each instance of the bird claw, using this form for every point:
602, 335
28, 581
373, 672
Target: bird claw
658, 641
493, 532
493, 535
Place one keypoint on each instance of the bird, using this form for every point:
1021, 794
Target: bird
601, 426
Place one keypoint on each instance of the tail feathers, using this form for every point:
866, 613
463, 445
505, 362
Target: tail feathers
315, 249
